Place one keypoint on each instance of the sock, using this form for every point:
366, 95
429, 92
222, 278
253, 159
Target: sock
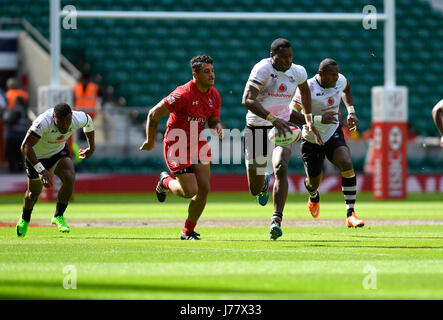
349, 187
165, 182
277, 217
313, 194
26, 215
189, 226
60, 209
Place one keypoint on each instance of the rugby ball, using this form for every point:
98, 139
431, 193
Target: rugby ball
281, 140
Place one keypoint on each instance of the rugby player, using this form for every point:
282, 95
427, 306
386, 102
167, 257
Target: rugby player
45, 149
186, 153
327, 88
267, 96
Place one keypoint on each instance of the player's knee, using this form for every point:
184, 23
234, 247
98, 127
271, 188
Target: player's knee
68, 178
203, 189
189, 192
281, 169
33, 194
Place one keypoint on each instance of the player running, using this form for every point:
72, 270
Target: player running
45, 149
328, 87
268, 93
187, 155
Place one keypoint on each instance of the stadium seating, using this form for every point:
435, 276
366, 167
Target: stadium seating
145, 60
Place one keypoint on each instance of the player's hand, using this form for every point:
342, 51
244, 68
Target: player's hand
318, 138
219, 131
441, 141
46, 178
282, 126
147, 145
352, 122
329, 117
85, 153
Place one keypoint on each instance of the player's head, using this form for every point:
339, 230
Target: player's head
328, 71
203, 70
62, 117
281, 54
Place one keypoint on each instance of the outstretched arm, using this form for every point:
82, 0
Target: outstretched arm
349, 103
152, 121
90, 137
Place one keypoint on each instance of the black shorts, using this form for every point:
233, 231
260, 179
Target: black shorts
47, 163
313, 154
256, 144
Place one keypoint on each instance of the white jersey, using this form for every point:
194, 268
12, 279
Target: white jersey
52, 141
276, 90
322, 101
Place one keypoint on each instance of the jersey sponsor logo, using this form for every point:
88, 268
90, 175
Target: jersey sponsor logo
282, 87
196, 119
279, 95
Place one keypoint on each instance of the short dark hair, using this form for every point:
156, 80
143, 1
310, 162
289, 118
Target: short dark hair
61, 110
197, 62
326, 63
279, 43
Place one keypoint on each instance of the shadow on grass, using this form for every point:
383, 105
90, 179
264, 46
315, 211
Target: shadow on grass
119, 287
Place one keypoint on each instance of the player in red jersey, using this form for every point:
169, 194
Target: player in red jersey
187, 153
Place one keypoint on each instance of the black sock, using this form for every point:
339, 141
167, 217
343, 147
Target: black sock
277, 217
26, 215
313, 194
60, 209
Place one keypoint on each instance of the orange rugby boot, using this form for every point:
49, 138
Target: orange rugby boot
314, 207
354, 222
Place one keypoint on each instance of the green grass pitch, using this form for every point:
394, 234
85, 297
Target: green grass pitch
126, 247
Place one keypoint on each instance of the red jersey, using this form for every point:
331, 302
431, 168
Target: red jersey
190, 109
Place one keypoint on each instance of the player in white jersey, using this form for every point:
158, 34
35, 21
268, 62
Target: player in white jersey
328, 87
437, 116
45, 149
268, 93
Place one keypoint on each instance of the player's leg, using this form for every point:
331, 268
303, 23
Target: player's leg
202, 173
31, 197
64, 169
313, 157
280, 162
256, 160
342, 160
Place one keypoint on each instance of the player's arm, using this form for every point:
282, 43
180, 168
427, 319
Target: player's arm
214, 123
88, 129
250, 101
152, 121
305, 96
27, 148
437, 116
349, 103
298, 118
